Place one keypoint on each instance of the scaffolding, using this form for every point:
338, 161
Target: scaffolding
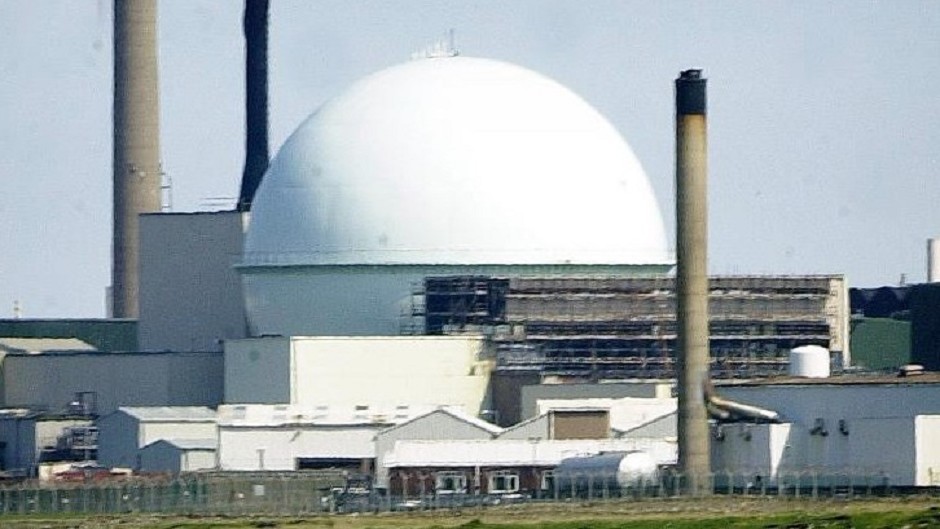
625, 327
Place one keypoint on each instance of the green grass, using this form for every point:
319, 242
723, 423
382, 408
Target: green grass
714, 513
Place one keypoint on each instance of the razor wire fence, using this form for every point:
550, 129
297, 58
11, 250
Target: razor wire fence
296, 494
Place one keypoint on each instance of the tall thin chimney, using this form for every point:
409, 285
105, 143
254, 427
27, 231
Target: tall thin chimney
137, 174
933, 260
256, 100
692, 279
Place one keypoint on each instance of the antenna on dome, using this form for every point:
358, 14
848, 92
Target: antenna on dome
443, 48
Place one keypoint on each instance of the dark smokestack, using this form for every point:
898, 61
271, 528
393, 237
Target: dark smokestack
256, 100
137, 175
692, 279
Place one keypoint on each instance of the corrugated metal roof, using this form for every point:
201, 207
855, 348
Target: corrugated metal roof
930, 377
515, 452
665, 419
273, 415
457, 413
524, 424
188, 444
41, 345
170, 413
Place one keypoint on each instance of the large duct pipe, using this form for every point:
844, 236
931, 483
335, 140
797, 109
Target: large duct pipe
692, 280
256, 100
136, 171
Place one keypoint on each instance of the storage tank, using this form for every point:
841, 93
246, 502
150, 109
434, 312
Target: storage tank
810, 361
611, 471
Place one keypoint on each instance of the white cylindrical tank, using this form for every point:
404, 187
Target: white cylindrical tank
933, 260
810, 361
608, 470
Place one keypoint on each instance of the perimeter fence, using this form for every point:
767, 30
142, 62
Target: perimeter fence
292, 494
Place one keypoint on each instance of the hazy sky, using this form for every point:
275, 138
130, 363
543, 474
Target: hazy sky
824, 117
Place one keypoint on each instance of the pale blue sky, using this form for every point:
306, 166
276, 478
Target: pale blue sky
824, 125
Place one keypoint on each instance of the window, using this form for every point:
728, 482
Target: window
548, 480
503, 482
451, 483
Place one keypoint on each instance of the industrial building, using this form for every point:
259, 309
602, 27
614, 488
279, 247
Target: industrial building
497, 467
190, 296
880, 429
29, 439
416, 267
366, 372
344, 224
100, 382
122, 433
442, 424
175, 456
289, 437
625, 327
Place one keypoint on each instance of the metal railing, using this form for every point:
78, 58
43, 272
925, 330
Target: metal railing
306, 494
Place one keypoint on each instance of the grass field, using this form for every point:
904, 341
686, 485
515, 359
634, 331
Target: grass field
909, 513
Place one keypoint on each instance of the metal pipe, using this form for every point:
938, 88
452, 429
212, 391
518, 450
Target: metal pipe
136, 170
692, 280
725, 409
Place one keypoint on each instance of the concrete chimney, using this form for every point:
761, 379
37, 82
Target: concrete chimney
255, 25
137, 174
933, 260
692, 280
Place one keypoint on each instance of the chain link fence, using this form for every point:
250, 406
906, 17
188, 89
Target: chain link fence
308, 493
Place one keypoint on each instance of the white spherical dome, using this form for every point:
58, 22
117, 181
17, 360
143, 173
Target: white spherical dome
455, 161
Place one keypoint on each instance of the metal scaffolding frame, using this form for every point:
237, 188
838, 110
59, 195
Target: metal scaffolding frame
625, 327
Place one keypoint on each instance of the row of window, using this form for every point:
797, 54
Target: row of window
500, 482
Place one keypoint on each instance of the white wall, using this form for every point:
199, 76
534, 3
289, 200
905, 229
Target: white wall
625, 412
749, 451
803, 403
190, 292
927, 428
869, 451
162, 456
346, 372
195, 460
439, 370
638, 388
278, 448
154, 431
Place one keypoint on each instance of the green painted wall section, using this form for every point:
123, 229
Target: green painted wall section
880, 343
111, 335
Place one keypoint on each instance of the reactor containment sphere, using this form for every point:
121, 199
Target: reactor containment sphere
440, 166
